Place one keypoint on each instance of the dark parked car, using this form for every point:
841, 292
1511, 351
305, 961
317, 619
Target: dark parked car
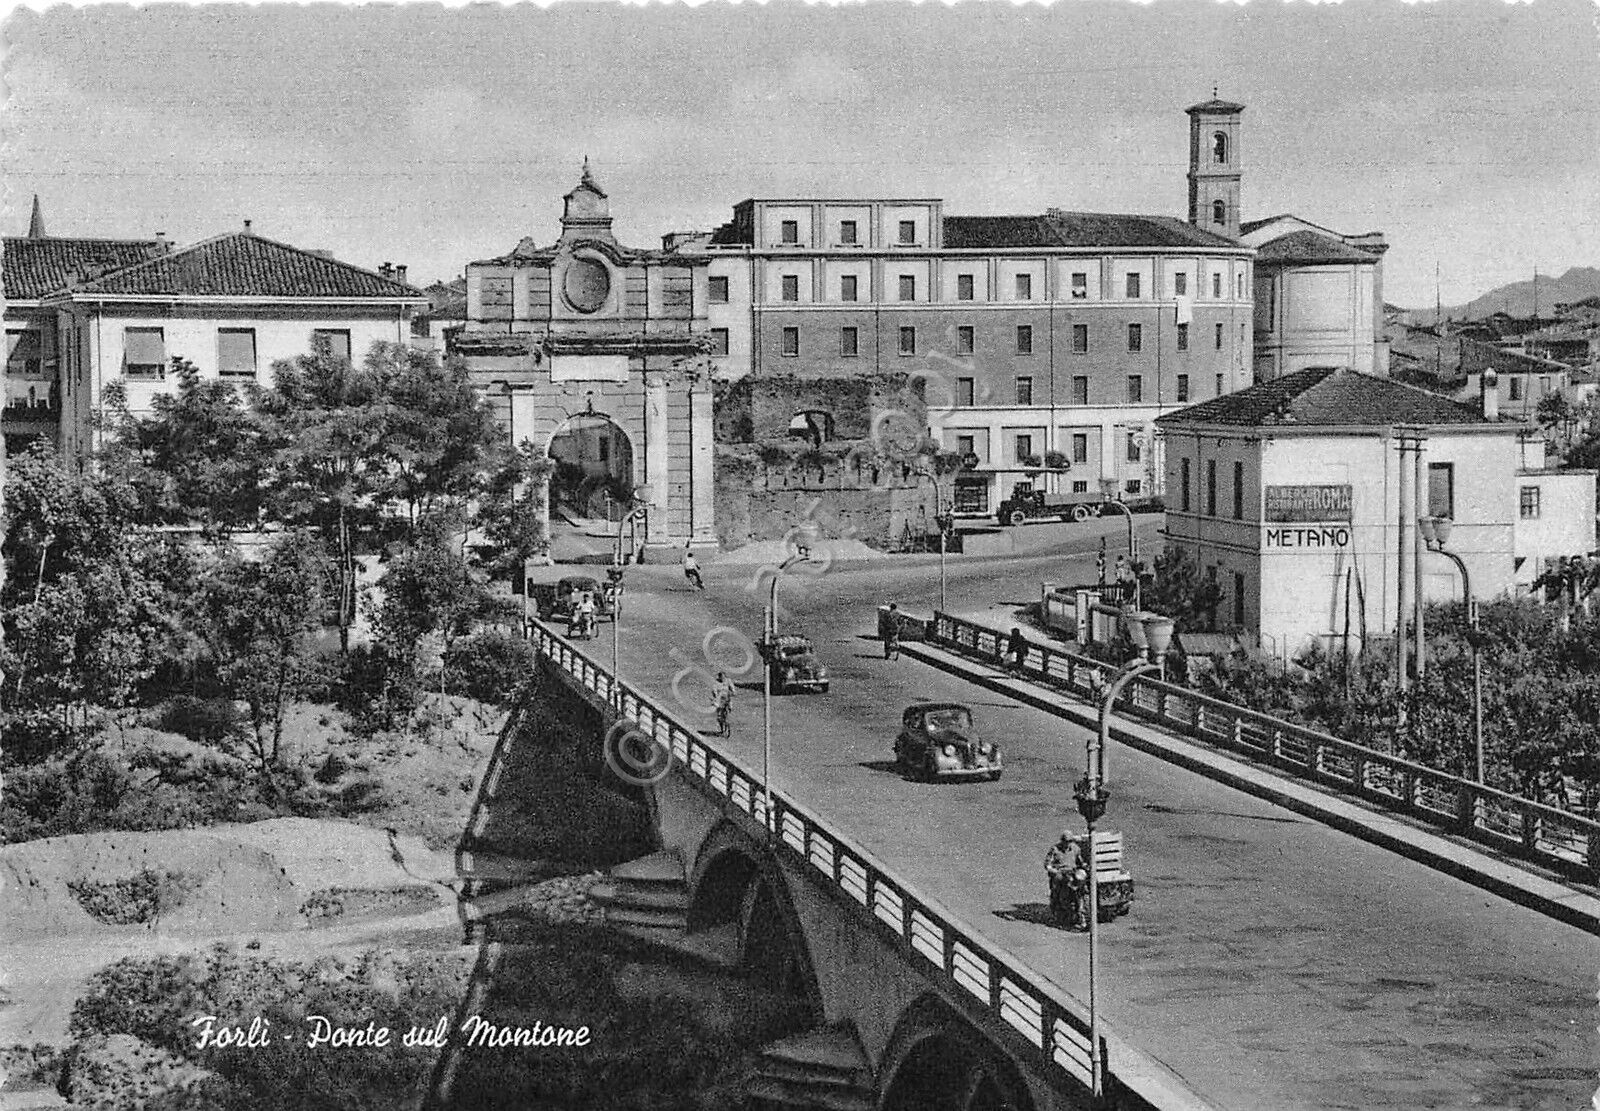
937, 741
794, 665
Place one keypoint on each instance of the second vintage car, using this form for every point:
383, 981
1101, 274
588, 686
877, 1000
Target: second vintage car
937, 741
794, 665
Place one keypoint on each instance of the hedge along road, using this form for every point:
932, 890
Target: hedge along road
1270, 961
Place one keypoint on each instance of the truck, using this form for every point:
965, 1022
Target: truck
1027, 503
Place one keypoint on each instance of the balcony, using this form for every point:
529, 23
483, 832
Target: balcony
31, 409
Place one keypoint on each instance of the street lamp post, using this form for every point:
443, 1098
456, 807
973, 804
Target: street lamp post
1109, 486
945, 520
1436, 534
614, 575
770, 635
1091, 796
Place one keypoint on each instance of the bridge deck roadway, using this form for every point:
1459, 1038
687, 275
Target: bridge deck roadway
1270, 961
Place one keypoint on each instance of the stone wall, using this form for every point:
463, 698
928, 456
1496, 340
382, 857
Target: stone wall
763, 493
855, 485
759, 409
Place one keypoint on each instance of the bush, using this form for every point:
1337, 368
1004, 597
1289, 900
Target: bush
134, 900
35, 735
377, 687
98, 790
489, 666
155, 999
204, 720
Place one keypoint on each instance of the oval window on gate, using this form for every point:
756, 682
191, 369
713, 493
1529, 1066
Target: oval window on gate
587, 285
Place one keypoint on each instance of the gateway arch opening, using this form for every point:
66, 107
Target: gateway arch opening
593, 476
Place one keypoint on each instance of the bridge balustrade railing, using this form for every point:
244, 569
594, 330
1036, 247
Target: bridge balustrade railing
1019, 998
1545, 834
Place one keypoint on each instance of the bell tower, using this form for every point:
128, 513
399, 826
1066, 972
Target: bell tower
1214, 166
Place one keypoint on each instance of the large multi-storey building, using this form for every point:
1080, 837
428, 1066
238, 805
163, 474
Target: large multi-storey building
1047, 344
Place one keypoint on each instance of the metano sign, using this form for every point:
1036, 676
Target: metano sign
1307, 503
1303, 537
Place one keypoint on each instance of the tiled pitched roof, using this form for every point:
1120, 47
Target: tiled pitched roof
1303, 248
246, 265
1216, 106
1323, 397
35, 267
1057, 228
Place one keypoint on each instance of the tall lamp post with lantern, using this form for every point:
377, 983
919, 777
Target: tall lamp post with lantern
801, 555
614, 581
1091, 796
1109, 487
1436, 534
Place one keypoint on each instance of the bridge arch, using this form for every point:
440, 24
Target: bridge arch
736, 886
936, 1060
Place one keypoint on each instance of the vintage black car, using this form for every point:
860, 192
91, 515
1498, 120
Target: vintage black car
937, 741
794, 665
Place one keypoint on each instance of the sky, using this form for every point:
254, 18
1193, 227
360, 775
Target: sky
1467, 131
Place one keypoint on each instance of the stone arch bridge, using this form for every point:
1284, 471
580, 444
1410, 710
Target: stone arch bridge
907, 1008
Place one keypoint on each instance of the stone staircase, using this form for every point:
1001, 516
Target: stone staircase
824, 1068
650, 892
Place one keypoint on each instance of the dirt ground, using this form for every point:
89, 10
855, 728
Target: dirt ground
294, 887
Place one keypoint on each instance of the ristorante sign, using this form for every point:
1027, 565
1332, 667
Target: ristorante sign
1308, 503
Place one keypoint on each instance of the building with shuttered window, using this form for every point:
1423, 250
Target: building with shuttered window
232, 306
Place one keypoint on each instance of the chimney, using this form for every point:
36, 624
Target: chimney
400, 273
161, 241
385, 271
247, 228
1491, 394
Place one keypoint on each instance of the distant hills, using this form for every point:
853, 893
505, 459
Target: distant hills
1517, 298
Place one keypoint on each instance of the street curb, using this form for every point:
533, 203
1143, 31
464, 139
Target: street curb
1494, 875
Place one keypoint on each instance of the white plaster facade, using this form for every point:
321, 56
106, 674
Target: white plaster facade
1292, 583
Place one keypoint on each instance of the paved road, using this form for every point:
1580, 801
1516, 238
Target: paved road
1269, 961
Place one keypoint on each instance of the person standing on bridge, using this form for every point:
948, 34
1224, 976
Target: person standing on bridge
1017, 648
722, 700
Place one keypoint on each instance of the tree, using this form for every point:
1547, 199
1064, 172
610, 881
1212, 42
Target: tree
514, 509
1553, 410
198, 458
443, 438
1180, 593
431, 588
349, 443
89, 603
329, 423
257, 621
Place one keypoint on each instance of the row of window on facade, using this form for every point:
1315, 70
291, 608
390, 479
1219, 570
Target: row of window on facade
966, 340
966, 287
1134, 394
849, 233
1022, 448
1441, 490
144, 350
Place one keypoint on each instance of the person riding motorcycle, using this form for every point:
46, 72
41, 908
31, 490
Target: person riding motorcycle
1068, 874
585, 615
